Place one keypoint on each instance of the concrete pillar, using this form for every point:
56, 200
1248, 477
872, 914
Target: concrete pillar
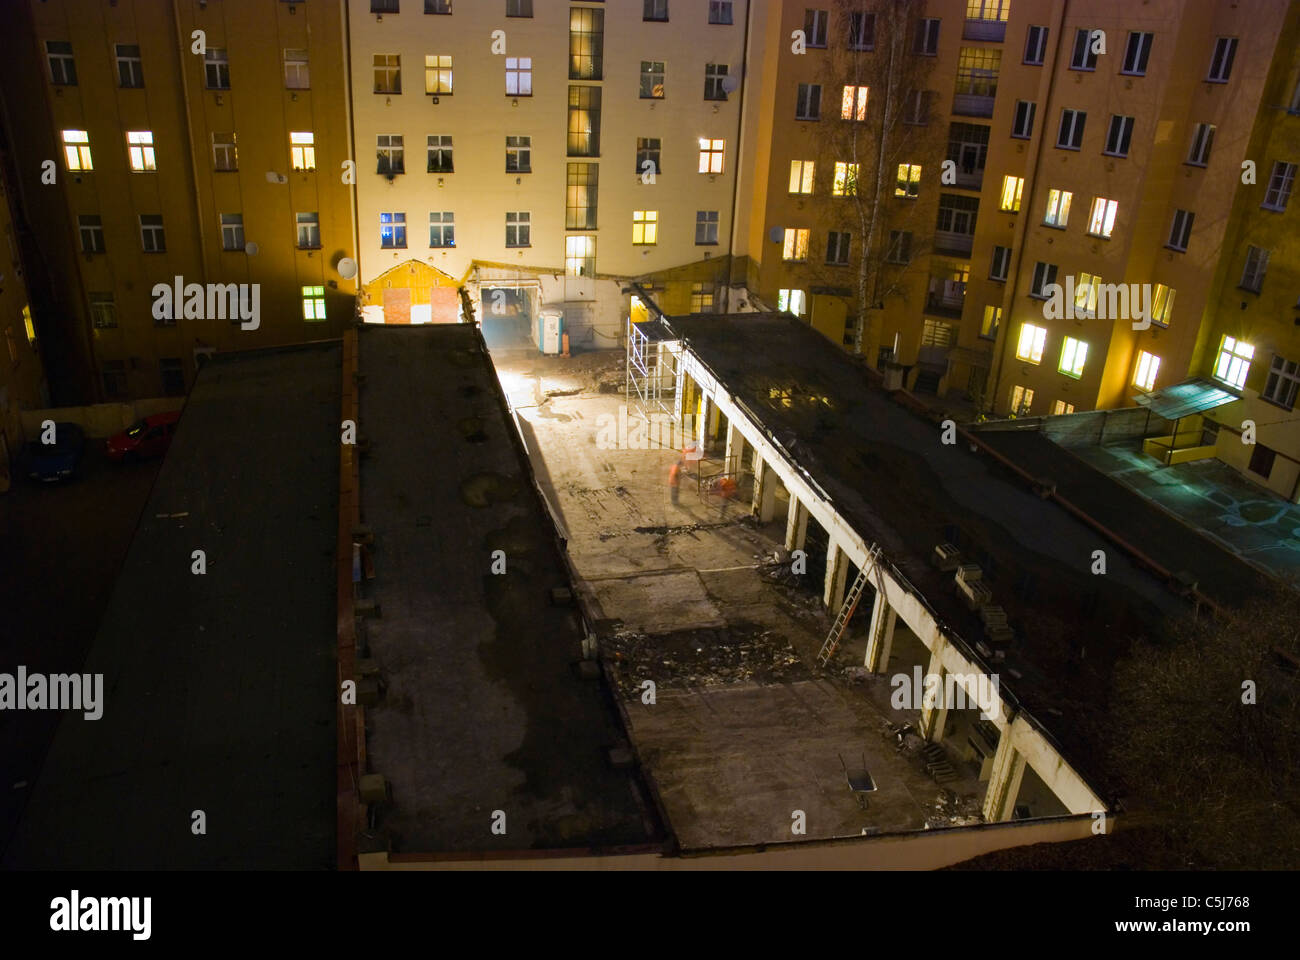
702, 422
1004, 782
880, 641
796, 524
934, 709
679, 391
837, 569
765, 494
735, 444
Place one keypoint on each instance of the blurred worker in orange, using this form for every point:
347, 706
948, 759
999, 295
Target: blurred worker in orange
674, 480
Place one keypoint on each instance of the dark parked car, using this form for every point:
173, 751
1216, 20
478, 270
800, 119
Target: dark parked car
51, 462
149, 437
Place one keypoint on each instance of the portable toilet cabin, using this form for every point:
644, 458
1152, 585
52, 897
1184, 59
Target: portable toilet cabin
550, 330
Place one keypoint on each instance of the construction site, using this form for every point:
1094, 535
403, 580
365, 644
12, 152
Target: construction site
772, 561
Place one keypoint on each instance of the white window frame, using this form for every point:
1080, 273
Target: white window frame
1232, 363
1031, 342
1101, 217
1058, 208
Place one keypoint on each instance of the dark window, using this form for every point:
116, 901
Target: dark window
1137, 53
1035, 45
1083, 57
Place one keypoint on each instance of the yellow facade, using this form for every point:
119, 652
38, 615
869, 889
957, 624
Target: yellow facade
160, 91
22, 379
953, 314
1267, 320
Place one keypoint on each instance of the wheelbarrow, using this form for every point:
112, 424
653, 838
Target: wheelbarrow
859, 780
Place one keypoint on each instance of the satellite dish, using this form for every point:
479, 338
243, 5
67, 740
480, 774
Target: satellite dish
730, 83
776, 234
347, 268
251, 248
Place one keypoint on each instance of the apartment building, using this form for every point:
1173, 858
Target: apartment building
1249, 340
1033, 142
514, 154
199, 140
22, 378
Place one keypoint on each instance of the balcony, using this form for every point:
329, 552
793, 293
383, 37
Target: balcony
972, 105
952, 243
994, 31
945, 298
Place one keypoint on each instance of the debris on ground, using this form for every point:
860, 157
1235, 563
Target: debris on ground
955, 810
738, 653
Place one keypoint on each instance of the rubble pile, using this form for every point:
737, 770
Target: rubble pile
955, 810
737, 654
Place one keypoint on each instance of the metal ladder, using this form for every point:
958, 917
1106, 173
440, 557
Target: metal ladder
849, 605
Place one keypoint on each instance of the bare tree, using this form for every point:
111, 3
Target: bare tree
1207, 734
874, 118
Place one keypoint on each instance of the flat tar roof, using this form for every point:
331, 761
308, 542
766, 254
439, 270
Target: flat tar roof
889, 475
219, 688
483, 710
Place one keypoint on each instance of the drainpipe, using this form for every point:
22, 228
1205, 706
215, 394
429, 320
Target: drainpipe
735, 187
346, 42
995, 389
182, 45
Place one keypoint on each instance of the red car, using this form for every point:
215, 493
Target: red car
145, 438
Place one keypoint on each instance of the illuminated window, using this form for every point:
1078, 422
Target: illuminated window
1012, 188
1148, 365
139, 147
1031, 343
579, 256
76, 149
801, 176
795, 246
581, 197
313, 303
437, 75
28, 326
584, 121
1074, 353
388, 72
845, 183
652, 79
519, 76
1234, 362
853, 103
909, 181
1085, 294
1061, 407
792, 301
586, 43
701, 297
1162, 304
1101, 221
1022, 398
992, 320
711, 152
302, 150
392, 230
645, 227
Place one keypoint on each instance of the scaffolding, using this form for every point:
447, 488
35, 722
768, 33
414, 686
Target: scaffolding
651, 371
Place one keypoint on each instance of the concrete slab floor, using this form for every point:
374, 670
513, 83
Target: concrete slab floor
732, 757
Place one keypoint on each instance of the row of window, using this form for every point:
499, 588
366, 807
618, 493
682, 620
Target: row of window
392, 230
720, 11
103, 311
439, 77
